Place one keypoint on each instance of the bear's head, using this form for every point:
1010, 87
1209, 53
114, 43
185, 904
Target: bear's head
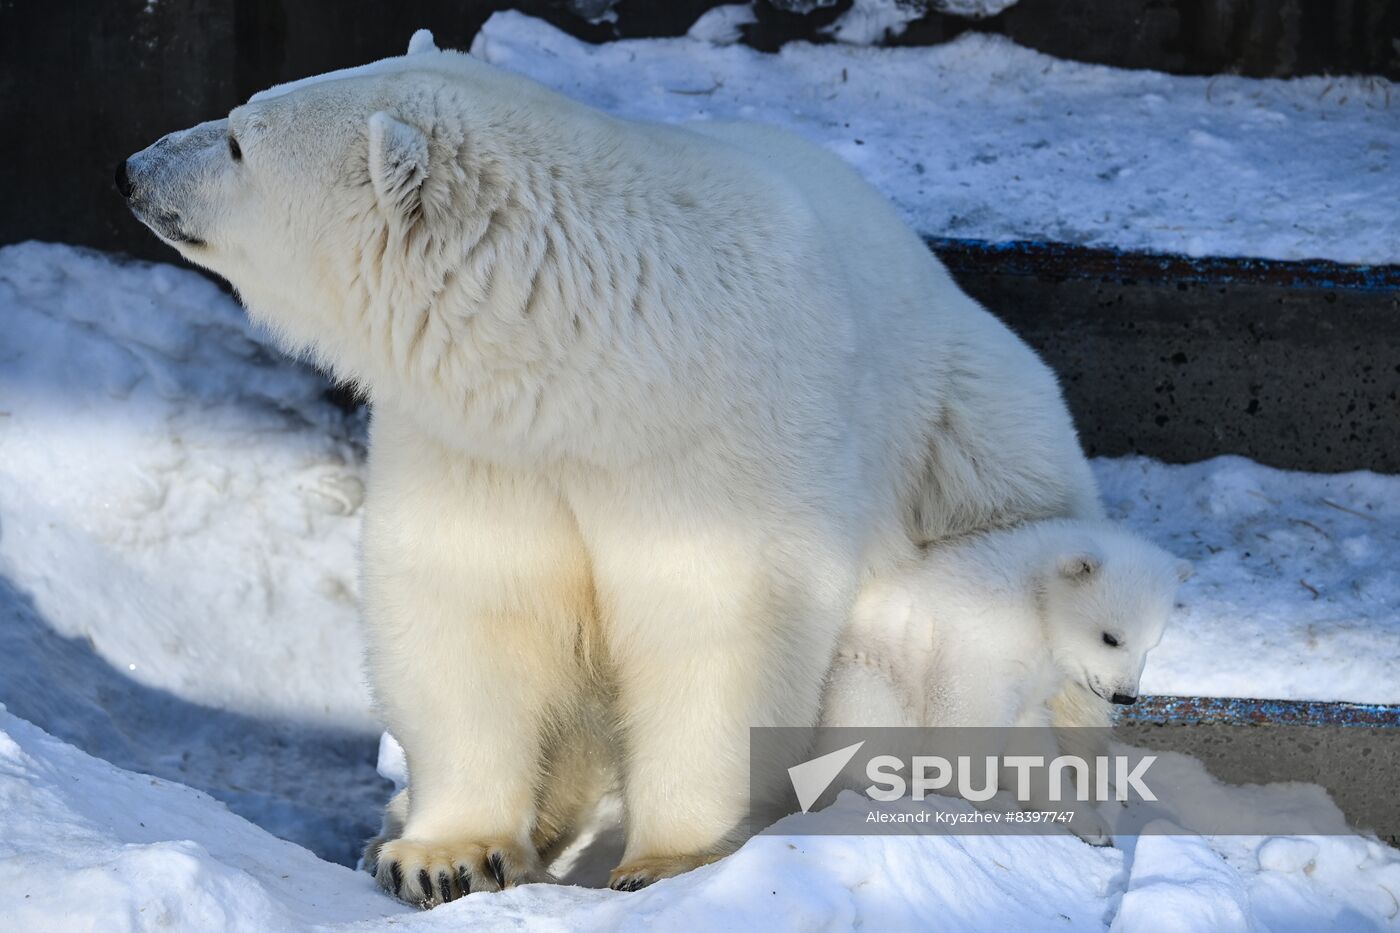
341, 207
1105, 597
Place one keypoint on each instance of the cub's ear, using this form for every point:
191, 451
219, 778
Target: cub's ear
398, 162
1184, 570
421, 41
1079, 567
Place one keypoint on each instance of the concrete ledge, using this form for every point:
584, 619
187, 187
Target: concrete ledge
1293, 364
1347, 748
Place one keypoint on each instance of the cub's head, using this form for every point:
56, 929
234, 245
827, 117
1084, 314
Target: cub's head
1106, 596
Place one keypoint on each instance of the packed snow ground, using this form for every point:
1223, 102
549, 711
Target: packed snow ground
983, 139
85, 845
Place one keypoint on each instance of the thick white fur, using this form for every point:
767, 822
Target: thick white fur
1006, 628
650, 404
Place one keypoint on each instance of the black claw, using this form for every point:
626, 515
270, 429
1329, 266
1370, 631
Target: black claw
630, 884
444, 886
464, 880
395, 877
497, 864
425, 884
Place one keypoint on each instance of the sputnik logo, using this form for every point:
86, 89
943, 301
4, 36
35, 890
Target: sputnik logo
811, 778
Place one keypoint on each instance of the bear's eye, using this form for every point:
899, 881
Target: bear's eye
234, 151
1110, 640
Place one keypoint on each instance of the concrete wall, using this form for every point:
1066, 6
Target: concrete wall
1289, 363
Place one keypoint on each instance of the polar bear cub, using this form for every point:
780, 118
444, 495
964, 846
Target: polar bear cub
1043, 624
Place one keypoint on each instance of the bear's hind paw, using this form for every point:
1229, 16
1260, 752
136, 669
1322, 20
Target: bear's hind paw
638, 873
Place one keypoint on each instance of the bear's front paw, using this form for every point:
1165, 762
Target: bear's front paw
427, 874
638, 873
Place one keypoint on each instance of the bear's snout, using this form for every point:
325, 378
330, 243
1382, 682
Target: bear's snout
1124, 699
124, 184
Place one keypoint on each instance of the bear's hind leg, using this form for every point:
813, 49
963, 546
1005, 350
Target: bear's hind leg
713, 625
395, 813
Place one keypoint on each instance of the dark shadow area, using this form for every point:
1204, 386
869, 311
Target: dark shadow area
313, 786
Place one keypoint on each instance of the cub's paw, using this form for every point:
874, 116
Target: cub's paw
1091, 828
427, 874
638, 873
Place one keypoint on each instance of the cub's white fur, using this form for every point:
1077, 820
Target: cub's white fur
650, 404
1042, 624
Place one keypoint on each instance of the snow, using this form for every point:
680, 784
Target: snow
980, 138
974, 9
1296, 593
85, 845
869, 22
722, 25
178, 518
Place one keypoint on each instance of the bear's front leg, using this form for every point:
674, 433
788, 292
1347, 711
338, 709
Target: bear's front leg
476, 596
713, 625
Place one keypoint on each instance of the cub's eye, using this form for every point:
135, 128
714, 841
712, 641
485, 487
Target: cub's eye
1110, 640
234, 151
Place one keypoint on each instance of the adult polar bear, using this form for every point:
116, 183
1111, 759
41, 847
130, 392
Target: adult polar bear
649, 404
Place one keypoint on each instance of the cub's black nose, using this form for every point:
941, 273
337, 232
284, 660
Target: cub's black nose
123, 181
1123, 699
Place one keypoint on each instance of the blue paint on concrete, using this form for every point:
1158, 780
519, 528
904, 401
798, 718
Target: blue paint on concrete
1247, 711
1046, 257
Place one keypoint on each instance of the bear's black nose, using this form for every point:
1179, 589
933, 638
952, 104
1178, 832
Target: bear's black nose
1123, 699
123, 180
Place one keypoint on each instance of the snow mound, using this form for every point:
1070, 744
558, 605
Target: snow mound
980, 138
177, 544
86, 845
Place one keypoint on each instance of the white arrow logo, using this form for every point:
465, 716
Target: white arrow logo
811, 778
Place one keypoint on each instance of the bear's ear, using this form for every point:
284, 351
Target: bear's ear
1079, 567
1184, 570
398, 162
421, 41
